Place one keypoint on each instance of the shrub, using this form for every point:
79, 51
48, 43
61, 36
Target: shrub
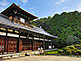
77, 46
60, 51
68, 52
79, 52
66, 48
74, 51
52, 52
72, 47
71, 50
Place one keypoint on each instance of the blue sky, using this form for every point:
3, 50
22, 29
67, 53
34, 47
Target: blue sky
44, 8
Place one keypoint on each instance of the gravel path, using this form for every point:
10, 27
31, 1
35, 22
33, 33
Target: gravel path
45, 58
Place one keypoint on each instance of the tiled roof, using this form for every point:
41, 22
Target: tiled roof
4, 20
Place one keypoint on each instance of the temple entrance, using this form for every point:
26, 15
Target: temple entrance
26, 45
9, 45
2, 44
12, 45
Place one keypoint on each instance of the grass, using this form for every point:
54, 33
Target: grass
52, 52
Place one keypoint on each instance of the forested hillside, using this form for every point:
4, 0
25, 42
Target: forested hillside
67, 26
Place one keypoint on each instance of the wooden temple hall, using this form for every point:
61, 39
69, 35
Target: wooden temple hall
17, 35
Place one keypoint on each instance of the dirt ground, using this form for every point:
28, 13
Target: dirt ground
45, 58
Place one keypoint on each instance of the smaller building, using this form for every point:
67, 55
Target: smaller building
17, 35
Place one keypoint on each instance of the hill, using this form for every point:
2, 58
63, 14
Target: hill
67, 26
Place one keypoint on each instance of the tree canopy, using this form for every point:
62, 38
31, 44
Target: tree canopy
63, 26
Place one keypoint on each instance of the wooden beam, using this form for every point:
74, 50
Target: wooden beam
32, 43
44, 42
18, 43
6, 44
39, 42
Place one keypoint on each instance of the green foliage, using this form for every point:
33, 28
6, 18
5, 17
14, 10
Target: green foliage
60, 51
66, 48
78, 46
52, 52
72, 40
72, 50
68, 52
66, 26
79, 52
72, 47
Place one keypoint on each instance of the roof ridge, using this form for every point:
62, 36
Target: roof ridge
4, 16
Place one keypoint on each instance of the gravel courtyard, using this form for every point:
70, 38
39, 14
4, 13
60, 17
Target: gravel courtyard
45, 58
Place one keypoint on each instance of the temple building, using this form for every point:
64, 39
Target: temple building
17, 35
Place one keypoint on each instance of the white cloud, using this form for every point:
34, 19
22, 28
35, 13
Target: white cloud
24, 1
60, 1
61, 11
4, 3
32, 10
64, 8
1, 9
79, 7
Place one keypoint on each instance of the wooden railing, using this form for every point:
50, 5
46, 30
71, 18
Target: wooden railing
24, 24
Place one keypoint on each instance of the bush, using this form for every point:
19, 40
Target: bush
71, 50
52, 52
79, 52
68, 52
60, 51
77, 46
72, 47
74, 51
66, 48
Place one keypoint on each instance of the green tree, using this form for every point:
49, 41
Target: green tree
62, 25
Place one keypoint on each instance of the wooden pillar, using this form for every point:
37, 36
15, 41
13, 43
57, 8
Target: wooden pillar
6, 42
51, 44
33, 43
44, 42
18, 43
48, 44
39, 42
26, 20
13, 18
